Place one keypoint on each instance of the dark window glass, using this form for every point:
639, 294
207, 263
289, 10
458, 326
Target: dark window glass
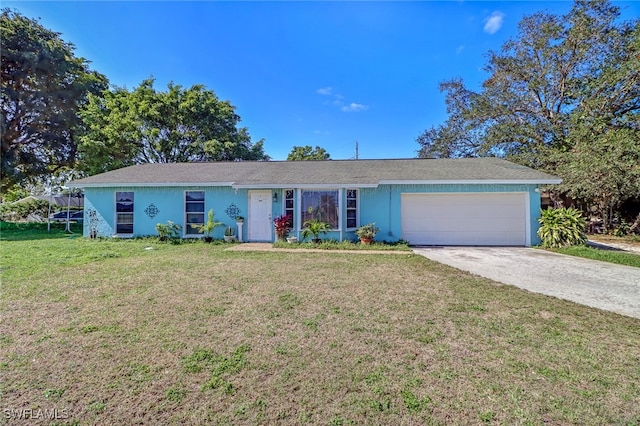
352, 208
124, 212
320, 205
194, 209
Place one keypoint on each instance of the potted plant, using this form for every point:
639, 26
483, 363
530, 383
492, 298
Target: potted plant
283, 226
229, 234
209, 226
168, 231
313, 228
367, 233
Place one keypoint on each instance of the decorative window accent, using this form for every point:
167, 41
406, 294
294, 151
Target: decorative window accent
288, 203
151, 211
124, 212
352, 208
321, 205
232, 211
194, 211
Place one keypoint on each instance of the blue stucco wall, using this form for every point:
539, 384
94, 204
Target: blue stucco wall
380, 205
169, 202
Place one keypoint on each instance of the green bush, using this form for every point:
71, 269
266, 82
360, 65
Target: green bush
622, 230
168, 231
561, 228
25, 210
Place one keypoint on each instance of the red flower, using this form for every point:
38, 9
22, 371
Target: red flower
283, 225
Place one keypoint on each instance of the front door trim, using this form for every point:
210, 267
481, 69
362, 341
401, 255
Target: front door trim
259, 216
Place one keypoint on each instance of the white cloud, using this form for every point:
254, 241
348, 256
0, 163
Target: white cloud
459, 49
336, 99
354, 107
494, 22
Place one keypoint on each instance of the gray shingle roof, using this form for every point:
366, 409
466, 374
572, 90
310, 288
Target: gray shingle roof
281, 174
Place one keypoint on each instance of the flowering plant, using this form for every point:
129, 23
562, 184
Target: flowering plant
283, 225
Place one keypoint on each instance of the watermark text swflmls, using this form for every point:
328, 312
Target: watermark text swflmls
36, 413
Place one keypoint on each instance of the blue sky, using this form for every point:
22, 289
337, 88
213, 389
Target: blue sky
301, 73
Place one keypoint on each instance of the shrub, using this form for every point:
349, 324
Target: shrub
561, 228
24, 211
367, 231
622, 230
283, 225
313, 228
168, 231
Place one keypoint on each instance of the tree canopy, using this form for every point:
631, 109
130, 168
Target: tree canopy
563, 96
148, 126
43, 85
301, 153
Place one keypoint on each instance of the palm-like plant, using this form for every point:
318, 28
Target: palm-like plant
209, 226
313, 228
561, 227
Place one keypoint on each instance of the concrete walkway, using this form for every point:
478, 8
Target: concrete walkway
597, 284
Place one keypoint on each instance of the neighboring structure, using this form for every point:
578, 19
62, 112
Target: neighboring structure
56, 200
473, 201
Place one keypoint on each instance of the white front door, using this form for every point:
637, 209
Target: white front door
259, 220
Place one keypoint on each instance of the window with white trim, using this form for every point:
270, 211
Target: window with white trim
352, 208
323, 205
124, 213
289, 208
194, 212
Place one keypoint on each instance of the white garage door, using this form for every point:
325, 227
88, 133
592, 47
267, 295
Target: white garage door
465, 219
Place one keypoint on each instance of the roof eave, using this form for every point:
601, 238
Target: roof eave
318, 185
473, 182
305, 185
144, 184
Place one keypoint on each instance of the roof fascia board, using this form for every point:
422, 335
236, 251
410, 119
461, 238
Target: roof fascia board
145, 184
472, 182
307, 186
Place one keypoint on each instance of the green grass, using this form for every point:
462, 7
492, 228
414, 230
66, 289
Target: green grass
10, 231
613, 256
345, 245
136, 331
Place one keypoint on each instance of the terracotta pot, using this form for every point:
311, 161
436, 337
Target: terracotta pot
366, 241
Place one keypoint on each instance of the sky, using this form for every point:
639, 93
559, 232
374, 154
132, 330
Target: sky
326, 74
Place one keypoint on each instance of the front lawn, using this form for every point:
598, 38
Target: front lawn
345, 245
139, 332
613, 256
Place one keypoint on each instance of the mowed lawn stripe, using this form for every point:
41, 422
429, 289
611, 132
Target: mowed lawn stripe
126, 332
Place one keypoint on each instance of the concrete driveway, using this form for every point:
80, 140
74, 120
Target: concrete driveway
601, 285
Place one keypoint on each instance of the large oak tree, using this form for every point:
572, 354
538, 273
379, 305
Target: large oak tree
563, 96
43, 85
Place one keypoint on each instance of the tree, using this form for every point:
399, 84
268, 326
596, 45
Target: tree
603, 163
563, 90
42, 87
148, 126
302, 153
